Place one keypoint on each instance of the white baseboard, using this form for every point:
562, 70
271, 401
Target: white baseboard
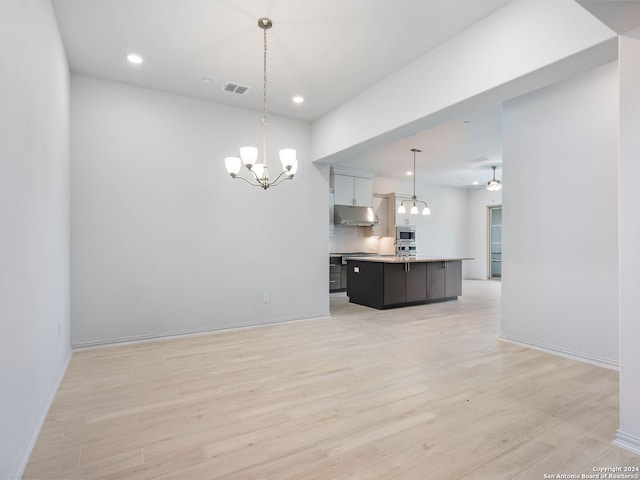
562, 352
628, 442
187, 333
22, 464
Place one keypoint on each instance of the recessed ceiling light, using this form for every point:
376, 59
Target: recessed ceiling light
409, 172
134, 58
207, 80
298, 99
476, 182
467, 122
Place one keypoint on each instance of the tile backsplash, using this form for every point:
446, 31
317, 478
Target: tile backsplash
359, 239
353, 239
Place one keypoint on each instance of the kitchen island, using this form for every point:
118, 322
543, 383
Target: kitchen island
390, 281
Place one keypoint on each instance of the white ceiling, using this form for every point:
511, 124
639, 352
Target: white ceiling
328, 51
455, 153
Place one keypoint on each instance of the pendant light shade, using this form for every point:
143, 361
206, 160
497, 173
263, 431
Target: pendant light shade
233, 165
249, 155
414, 210
289, 162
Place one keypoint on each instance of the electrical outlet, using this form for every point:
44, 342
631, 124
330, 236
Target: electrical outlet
265, 298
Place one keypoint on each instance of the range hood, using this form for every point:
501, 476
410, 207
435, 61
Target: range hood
356, 216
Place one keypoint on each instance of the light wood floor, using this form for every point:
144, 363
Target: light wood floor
424, 392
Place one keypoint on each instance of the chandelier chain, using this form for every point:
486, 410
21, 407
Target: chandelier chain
415, 174
264, 97
264, 80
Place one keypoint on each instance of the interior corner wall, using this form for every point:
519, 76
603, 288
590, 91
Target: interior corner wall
628, 435
560, 221
164, 240
34, 224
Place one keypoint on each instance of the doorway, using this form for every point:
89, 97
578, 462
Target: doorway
494, 257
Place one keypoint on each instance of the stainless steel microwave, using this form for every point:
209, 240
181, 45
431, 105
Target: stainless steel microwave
406, 234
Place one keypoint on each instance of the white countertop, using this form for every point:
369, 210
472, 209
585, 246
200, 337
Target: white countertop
406, 259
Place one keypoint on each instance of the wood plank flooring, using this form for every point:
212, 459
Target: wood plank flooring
424, 392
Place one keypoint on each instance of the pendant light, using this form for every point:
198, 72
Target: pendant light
249, 155
414, 200
494, 184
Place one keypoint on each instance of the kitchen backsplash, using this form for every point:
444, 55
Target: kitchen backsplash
353, 239
359, 239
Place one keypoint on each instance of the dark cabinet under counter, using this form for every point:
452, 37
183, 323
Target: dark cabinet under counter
444, 279
336, 272
388, 282
404, 283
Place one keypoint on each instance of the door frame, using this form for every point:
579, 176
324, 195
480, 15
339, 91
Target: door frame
488, 250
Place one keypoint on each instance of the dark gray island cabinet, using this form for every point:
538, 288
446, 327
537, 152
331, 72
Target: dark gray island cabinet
388, 281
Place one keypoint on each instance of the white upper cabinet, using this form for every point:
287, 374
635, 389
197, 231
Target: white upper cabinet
355, 191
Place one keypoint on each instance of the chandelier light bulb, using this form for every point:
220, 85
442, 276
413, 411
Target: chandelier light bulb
401, 209
233, 165
426, 211
414, 210
249, 155
288, 158
258, 169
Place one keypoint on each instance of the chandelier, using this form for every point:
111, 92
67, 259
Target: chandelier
414, 200
259, 175
494, 184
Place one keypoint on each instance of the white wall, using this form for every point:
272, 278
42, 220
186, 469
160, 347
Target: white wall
560, 223
34, 224
164, 241
629, 432
479, 201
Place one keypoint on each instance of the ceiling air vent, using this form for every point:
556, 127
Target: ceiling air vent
235, 88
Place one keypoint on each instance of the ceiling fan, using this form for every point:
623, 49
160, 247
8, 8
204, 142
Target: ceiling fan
492, 185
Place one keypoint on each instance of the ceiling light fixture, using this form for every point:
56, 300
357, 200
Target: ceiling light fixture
249, 155
414, 200
134, 58
494, 184
298, 99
